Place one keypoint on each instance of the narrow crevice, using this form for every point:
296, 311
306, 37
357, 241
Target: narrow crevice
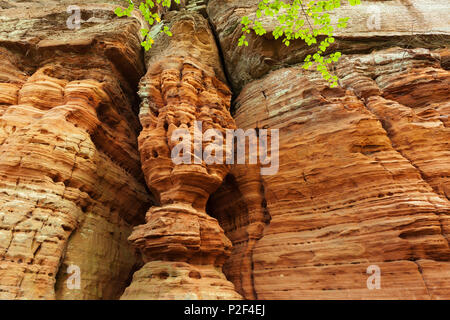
234, 95
250, 214
252, 274
419, 268
267, 217
138, 265
265, 209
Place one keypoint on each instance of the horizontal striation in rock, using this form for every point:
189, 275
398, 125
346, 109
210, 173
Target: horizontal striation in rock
183, 247
344, 198
412, 23
412, 102
71, 187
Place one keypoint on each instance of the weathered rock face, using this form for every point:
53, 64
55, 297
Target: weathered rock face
345, 197
364, 169
373, 25
184, 249
87, 179
71, 186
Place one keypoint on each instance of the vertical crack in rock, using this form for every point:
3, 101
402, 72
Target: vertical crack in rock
182, 246
442, 220
419, 268
241, 209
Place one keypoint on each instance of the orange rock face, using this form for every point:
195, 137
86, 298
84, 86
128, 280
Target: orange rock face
368, 190
184, 249
71, 187
406, 23
93, 206
363, 178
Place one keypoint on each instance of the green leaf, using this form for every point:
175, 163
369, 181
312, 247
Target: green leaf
119, 12
144, 32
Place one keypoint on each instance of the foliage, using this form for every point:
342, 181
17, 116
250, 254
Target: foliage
146, 9
309, 21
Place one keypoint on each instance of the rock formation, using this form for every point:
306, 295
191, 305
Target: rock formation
87, 178
364, 169
374, 25
183, 248
343, 199
71, 187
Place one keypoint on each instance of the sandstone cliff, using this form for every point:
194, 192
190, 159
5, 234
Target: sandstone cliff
87, 179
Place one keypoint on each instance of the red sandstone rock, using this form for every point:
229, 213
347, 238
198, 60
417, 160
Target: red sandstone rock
71, 186
363, 177
184, 249
350, 194
408, 23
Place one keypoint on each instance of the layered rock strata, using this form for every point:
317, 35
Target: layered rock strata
71, 187
363, 181
346, 196
363, 173
183, 248
372, 25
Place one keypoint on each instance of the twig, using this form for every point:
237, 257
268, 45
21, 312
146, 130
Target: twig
306, 15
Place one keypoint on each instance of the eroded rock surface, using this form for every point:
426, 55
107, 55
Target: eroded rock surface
370, 189
363, 176
71, 187
364, 168
373, 25
184, 248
